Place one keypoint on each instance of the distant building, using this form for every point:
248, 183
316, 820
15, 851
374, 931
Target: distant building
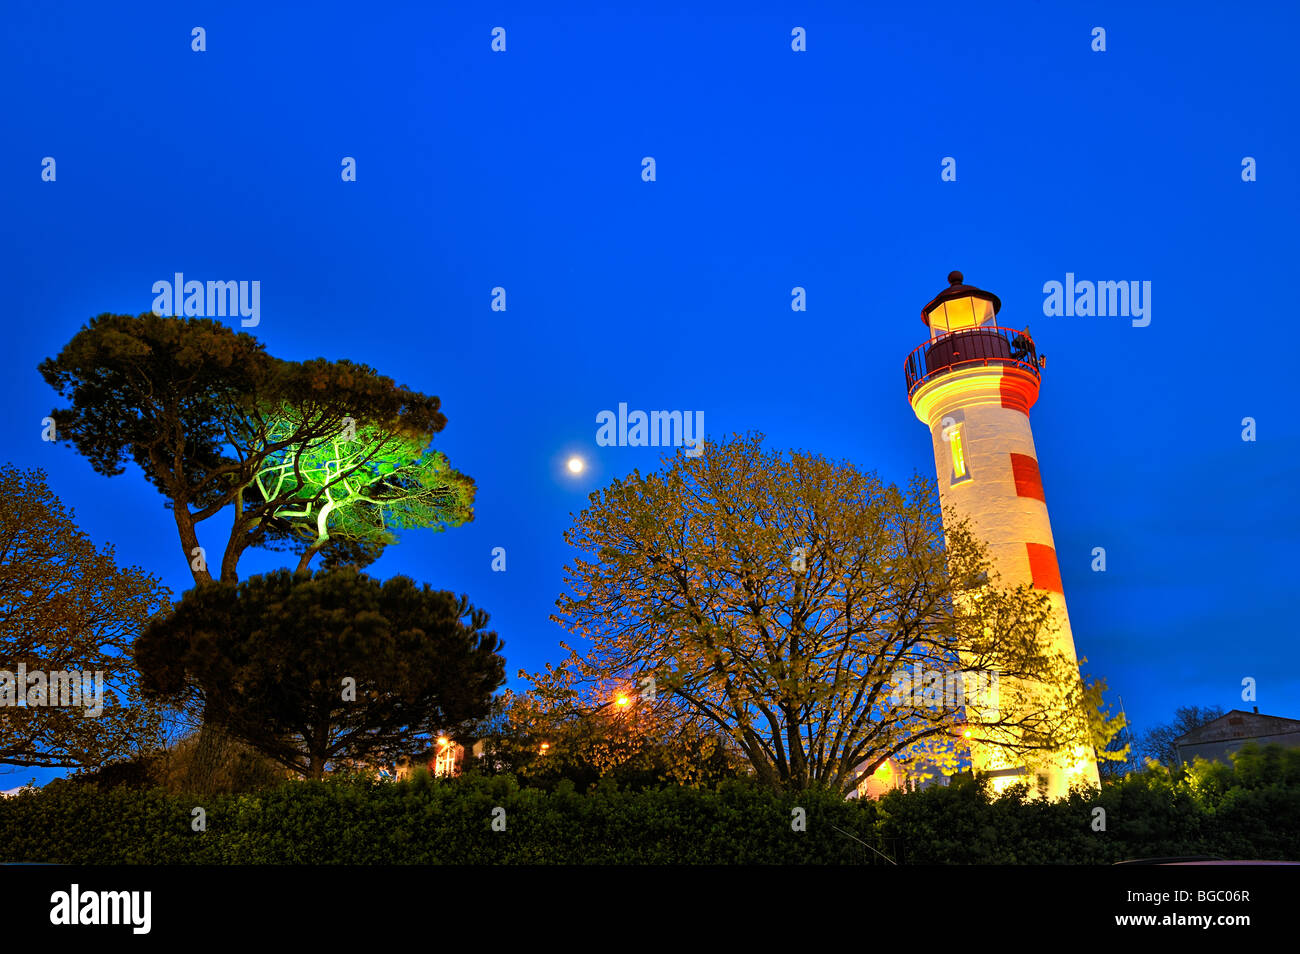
1215, 741
445, 760
891, 774
887, 777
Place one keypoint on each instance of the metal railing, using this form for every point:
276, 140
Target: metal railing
987, 345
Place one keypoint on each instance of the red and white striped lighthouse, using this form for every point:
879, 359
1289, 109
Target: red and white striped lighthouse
973, 383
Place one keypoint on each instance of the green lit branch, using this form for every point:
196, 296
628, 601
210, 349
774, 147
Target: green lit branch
357, 485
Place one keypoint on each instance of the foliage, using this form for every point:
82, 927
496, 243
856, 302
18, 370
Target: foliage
691, 576
1251, 812
67, 607
206, 414
1108, 732
432, 822
623, 744
347, 494
269, 661
177, 768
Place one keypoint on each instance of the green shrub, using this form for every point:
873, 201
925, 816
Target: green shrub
1250, 811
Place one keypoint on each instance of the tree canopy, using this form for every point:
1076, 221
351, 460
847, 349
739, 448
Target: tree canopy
66, 607
783, 600
347, 494
311, 668
213, 422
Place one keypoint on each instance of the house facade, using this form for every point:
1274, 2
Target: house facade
1216, 741
446, 759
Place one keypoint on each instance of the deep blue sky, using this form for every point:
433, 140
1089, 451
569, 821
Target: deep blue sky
775, 169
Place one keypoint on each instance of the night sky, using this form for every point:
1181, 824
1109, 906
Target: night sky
775, 169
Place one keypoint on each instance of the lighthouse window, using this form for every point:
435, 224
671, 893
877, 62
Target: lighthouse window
958, 453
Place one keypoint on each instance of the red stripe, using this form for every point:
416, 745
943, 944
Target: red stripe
1044, 568
1029, 482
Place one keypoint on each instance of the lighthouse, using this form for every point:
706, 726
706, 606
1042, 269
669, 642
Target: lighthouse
973, 383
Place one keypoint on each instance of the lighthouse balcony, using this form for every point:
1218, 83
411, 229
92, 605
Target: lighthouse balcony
988, 346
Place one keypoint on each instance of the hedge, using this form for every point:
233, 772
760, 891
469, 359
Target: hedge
451, 822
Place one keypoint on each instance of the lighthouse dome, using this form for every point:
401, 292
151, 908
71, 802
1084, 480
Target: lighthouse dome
959, 306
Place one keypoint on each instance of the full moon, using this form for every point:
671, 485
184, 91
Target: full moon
575, 465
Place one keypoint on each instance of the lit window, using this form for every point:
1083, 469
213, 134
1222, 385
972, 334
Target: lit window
958, 453
445, 765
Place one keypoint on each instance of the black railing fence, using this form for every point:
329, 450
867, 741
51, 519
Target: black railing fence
975, 346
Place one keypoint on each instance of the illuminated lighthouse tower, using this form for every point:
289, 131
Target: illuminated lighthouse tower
973, 383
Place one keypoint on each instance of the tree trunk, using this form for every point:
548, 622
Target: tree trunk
319, 753
209, 770
189, 541
305, 560
234, 550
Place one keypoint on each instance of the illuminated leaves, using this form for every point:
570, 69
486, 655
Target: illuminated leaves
352, 493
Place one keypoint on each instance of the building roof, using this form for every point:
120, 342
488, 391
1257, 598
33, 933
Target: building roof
1238, 725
